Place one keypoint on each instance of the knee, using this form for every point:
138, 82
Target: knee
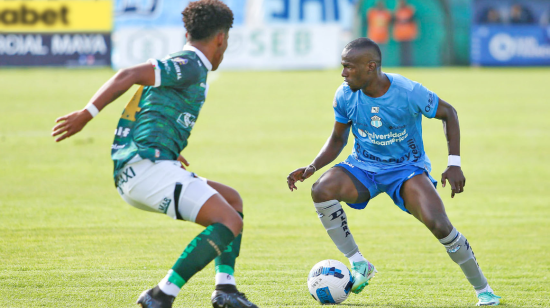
234, 199
322, 191
439, 226
234, 223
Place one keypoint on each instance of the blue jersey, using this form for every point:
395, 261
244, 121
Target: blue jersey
387, 129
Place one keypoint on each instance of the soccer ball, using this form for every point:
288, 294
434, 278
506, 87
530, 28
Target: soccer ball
329, 282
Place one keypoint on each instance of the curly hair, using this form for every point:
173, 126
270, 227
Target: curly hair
204, 18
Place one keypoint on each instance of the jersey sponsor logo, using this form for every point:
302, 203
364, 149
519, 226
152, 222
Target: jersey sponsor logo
416, 154
376, 121
397, 127
178, 71
362, 133
387, 139
375, 109
334, 103
117, 146
122, 131
187, 120
430, 102
368, 155
166, 66
180, 61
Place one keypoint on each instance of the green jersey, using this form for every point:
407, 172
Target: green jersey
158, 120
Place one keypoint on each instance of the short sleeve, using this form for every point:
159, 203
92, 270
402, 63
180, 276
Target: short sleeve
173, 71
422, 100
338, 104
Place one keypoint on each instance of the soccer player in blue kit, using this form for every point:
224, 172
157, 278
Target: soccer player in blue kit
384, 112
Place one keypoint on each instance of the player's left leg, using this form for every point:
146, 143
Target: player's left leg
423, 202
225, 263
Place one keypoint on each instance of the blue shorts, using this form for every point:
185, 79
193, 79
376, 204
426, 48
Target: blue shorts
388, 181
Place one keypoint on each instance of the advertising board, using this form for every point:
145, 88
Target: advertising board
511, 33
48, 49
55, 33
267, 34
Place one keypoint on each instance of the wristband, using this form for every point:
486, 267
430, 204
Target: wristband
92, 109
313, 167
454, 160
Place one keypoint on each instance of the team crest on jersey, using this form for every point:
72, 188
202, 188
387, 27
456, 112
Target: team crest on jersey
375, 109
187, 120
181, 61
376, 121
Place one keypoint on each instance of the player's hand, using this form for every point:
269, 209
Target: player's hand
71, 124
456, 178
299, 174
183, 162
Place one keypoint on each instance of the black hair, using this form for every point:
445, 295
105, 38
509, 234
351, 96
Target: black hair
204, 18
366, 43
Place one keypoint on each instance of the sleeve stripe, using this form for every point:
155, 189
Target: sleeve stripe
157, 71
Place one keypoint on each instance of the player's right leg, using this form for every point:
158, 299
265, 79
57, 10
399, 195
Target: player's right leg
166, 188
226, 293
334, 186
424, 203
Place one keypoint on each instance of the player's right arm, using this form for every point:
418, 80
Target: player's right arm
72, 123
330, 151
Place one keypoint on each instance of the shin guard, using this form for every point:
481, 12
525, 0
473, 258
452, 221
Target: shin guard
461, 253
335, 222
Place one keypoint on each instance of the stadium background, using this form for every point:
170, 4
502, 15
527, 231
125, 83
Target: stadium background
67, 240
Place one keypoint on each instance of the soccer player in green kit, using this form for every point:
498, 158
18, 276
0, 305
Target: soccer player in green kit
153, 130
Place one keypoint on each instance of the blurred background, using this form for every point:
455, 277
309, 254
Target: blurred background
68, 240
280, 34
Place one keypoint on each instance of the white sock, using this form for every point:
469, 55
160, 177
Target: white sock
223, 278
486, 289
168, 287
357, 257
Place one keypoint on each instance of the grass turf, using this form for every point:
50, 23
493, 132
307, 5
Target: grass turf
68, 240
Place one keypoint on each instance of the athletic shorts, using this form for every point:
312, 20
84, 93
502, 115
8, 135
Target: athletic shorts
163, 187
388, 181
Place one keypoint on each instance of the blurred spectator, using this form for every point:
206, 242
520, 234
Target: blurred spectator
545, 18
405, 31
378, 27
491, 16
520, 15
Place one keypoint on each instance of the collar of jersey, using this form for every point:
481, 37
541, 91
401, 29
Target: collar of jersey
200, 54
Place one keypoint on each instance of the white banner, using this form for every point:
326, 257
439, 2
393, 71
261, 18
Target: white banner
134, 45
285, 46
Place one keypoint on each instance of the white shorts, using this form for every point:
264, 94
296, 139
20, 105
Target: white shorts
163, 187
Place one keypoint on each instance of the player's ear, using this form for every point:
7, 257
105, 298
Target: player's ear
372, 66
220, 38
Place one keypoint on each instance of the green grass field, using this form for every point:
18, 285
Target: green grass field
68, 240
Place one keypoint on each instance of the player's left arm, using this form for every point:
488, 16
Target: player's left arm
448, 115
72, 123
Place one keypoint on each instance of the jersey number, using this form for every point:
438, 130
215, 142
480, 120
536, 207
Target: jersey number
133, 106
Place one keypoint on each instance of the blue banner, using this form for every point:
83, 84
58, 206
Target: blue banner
510, 45
51, 49
510, 33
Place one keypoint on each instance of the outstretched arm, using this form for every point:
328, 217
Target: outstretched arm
446, 113
72, 123
332, 148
